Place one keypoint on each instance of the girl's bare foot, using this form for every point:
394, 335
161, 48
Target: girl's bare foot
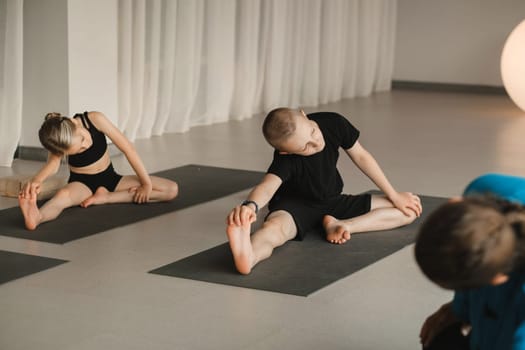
336, 231
29, 211
99, 197
241, 247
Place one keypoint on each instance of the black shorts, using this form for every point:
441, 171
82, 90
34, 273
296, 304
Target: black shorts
308, 215
107, 178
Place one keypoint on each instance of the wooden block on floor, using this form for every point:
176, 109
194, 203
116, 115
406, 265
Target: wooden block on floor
10, 185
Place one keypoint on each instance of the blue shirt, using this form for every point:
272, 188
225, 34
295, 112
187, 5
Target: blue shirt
496, 313
511, 188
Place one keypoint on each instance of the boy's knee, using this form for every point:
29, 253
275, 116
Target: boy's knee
278, 229
272, 225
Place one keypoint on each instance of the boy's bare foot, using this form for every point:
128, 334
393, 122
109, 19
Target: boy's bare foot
241, 247
30, 211
336, 231
99, 197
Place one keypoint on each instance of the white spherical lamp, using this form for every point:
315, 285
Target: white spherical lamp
513, 65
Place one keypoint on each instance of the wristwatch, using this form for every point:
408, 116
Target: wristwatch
246, 202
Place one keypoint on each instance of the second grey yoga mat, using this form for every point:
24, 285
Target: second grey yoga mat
16, 265
197, 184
300, 267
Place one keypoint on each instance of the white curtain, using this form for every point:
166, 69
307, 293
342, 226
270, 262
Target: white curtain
11, 61
192, 62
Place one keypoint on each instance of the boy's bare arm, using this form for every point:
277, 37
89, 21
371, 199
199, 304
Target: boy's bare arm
404, 201
264, 191
261, 195
369, 166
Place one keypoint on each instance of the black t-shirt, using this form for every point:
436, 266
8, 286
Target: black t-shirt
316, 177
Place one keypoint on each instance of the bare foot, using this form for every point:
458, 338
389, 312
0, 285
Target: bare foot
99, 197
30, 211
336, 232
241, 247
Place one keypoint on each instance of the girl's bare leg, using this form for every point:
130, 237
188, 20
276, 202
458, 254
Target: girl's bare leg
70, 195
163, 190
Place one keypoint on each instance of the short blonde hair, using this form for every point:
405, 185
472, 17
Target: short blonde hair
56, 133
279, 125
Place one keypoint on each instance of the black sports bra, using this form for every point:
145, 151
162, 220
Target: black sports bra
97, 149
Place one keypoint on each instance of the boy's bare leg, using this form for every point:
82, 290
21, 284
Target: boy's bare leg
382, 216
163, 190
68, 196
248, 250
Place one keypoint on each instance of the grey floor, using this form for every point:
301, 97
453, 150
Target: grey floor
429, 143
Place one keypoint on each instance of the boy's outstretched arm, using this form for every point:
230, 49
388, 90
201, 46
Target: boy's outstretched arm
404, 201
260, 195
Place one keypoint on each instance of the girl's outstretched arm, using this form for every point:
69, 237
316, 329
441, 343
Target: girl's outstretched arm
102, 123
33, 186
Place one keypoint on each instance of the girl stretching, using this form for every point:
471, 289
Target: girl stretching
92, 179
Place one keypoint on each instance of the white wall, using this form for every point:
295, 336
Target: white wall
453, 41
70, 60
71, 48
93, 56
45, 65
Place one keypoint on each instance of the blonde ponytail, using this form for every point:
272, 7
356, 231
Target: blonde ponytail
52, 115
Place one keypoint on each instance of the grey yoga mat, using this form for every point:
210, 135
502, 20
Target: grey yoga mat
15, 265
197, 184
299, 267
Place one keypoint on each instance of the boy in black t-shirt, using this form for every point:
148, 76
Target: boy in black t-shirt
303, 188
